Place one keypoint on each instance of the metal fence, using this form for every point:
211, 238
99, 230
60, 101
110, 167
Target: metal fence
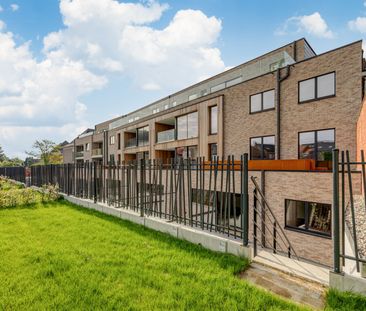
17, 173
349, 211
209, 195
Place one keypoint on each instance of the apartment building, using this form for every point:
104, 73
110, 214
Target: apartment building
288, 104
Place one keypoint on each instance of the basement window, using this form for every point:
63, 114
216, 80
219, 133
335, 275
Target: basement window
309, 217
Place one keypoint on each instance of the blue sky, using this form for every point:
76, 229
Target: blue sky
95, 61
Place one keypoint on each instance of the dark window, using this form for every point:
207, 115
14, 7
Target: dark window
221, 201
212, 150
316, 88
143, 136
317, 145
111, 159
308, 216
187, 126
213, 120
119, 140
262, 101
262, 148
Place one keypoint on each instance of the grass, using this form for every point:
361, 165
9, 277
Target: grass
59, 256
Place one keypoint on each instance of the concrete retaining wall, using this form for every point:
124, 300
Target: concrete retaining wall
347, 283
206, 239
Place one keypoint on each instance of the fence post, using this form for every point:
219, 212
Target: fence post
335, 214
245, 199
142, 194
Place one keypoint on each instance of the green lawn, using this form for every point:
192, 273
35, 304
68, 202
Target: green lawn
59, 256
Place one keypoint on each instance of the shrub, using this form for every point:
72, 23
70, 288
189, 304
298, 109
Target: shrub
14, 194
50, 192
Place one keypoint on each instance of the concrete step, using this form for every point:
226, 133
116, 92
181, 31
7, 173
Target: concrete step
302, 269
285, 285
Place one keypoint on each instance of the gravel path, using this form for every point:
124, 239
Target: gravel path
360, 216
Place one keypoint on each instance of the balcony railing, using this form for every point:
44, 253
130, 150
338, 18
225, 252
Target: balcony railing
131, 142
79, 154
165, 136
96, 152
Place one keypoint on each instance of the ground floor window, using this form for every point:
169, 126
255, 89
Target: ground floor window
212, 150
190, 152
317, 145
308, 216
227, 203
262, 148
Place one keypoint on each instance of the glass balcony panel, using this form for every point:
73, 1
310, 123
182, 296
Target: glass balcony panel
165, 136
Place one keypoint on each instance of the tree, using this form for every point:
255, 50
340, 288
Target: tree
45, 150
2, 155
12, 162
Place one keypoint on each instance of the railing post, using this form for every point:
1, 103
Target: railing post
255, 222
245, 199
335, 214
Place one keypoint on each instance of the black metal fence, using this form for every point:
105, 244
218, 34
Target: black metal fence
210, 195
349, 210
17, 173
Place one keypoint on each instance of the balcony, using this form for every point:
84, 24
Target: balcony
131, 142
97, 152
79, 154
165, 136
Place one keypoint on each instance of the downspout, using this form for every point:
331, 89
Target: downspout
279, 80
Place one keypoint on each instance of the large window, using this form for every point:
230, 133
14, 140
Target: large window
143, 136
262, 101
262, 148
187, 126
112, 140
186, 152
316, 88
119, 140
213, 120
308, 216
317, 145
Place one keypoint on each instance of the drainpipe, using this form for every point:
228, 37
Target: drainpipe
295, 50
279, 80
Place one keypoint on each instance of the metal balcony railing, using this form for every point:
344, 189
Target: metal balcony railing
165, 136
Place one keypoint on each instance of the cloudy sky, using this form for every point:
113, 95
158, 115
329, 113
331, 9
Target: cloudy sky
68, 64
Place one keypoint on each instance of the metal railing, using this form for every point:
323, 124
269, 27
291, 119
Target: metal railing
210, 196
349, 211
165, 136
265, 222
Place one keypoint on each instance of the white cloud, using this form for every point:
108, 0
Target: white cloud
312, 24
2, 25
101, 38
359, 24
152, 57
1, 8
39, 97
14, 7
